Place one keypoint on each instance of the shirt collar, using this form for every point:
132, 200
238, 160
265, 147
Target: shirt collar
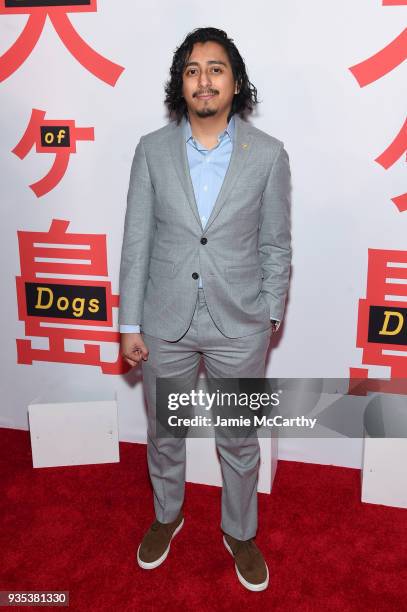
230, 130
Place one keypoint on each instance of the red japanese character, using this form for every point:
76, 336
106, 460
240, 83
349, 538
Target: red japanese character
51, 136
389, 157
382, 321
56, 10
65, 308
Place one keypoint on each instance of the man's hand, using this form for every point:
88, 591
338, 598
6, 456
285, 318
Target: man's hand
133, 349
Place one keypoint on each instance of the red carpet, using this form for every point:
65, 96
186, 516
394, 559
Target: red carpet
77, 529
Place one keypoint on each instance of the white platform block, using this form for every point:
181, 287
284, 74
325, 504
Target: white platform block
384, 475
384, 471
73, 431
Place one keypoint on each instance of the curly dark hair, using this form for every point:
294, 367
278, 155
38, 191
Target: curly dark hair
243, 103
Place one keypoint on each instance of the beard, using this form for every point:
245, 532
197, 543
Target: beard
206, 112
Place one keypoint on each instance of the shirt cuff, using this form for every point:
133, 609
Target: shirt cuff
277, 322
129, 329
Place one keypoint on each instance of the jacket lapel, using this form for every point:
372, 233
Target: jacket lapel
179, 157
242, 147
241, 150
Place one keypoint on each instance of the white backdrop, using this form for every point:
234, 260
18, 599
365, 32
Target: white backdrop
298, 56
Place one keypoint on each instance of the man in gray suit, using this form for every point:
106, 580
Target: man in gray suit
204, 273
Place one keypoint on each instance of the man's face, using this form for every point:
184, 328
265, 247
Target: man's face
208, 84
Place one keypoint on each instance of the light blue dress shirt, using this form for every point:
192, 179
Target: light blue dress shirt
207, 168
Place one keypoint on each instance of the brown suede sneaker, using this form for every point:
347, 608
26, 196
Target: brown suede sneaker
251, 568
155, 545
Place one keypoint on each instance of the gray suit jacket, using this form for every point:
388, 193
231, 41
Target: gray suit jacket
245, 260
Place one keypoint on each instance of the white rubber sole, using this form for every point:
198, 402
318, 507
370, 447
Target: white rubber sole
243, 581
163, 557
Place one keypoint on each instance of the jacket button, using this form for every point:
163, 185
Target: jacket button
204, 240
195, 275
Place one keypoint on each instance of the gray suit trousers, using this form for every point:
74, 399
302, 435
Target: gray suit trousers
239, 457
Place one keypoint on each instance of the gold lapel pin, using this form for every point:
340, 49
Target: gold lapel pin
244, 145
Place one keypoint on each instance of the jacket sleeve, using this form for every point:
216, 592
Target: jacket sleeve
137, 240
275, 234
